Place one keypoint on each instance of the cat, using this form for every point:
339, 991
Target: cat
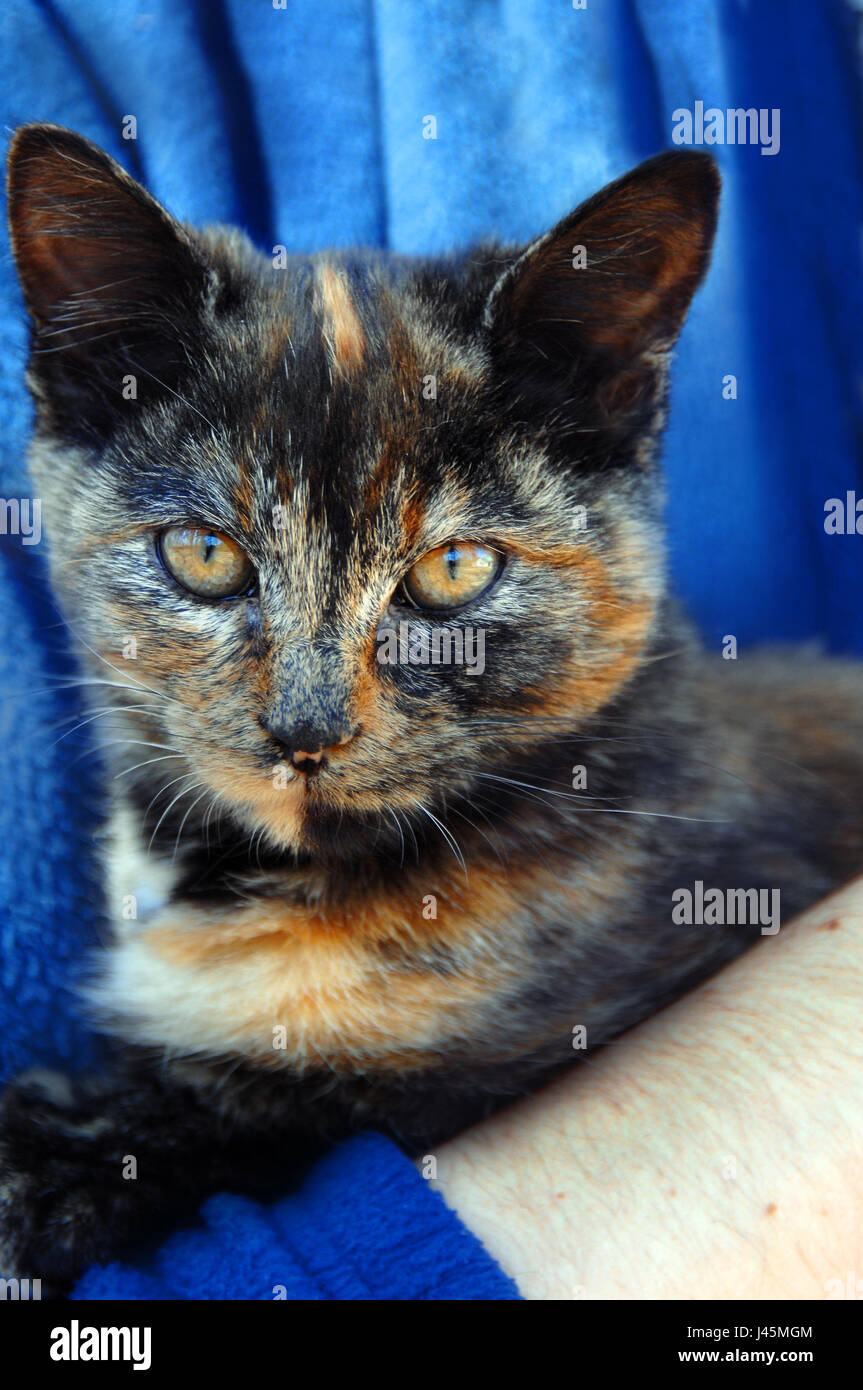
348, 892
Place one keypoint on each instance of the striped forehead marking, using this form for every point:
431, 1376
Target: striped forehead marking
343, 333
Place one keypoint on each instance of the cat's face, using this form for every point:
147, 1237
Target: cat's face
271, 490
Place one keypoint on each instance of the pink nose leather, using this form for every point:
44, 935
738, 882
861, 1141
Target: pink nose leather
298, 756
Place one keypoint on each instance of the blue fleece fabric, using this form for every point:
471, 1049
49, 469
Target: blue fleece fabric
364, 1225
304, 124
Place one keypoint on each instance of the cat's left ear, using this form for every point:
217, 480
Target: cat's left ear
597, 303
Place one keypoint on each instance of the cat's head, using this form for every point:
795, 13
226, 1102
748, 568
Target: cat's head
273, 485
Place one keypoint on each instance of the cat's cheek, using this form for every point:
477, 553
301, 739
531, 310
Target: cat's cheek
619, 589
596, 677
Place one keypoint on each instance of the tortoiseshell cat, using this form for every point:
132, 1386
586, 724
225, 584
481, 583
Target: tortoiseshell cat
348, 892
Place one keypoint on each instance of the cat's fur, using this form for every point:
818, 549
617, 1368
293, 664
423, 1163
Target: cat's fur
413, 934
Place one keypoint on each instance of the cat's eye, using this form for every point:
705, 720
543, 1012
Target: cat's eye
452, 575
205, 562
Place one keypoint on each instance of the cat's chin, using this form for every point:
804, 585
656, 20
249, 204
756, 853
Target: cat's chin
275, 805
290, 813
325, 833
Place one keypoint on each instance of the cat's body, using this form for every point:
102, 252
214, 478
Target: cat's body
346, 893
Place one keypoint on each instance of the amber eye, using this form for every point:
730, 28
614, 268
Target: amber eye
205, 562
452, 575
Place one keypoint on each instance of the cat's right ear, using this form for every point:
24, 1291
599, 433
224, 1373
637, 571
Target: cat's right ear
112, 282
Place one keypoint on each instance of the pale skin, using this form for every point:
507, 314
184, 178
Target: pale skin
716, 1151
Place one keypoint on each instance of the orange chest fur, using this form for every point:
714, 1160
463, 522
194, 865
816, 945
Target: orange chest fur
394, 981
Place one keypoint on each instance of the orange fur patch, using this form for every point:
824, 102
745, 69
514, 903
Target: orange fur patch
343, 332
320, 979
620, 613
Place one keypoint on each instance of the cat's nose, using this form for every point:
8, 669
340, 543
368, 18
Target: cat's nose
310, 763
305, 746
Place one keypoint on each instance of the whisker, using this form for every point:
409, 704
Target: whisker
111, 709
138, 685
607, 810
450, 839
184, 791
183, 821
394, 818
146, 763
161, 790
495, 849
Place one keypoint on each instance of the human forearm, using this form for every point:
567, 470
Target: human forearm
715, 1151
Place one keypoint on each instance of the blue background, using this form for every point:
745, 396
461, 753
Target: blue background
304, 125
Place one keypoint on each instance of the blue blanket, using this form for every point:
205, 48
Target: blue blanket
305, 124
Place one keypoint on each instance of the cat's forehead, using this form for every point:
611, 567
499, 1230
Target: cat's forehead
375, 340
349, 394
345, 415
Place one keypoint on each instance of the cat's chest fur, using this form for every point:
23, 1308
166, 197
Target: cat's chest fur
435, 963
